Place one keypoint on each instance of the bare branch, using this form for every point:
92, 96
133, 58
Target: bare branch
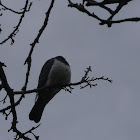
109, 21
31, 131
94, 3
85, 80
105, 2
10, 94
15, 31
7, 114
3, 100
28, 61
6, 8
81, 8
11, 97
16, 103
36, 40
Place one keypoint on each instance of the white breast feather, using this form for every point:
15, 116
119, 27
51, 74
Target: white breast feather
60, 74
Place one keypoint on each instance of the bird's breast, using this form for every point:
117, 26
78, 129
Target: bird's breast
60, 73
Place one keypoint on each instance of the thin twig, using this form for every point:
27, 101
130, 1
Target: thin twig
81, 8
36, 40
3, 100
85, 80
15, 31
6, 8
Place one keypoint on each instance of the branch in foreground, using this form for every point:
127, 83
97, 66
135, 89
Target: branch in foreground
9, 9
10, 94
121, 3
15, 31
105, 2
28, 60
11, 97
86, 80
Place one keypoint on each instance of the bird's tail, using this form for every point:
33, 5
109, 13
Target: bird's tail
40, 104
37, 110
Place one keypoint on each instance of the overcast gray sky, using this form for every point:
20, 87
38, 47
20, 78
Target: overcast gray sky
106, 112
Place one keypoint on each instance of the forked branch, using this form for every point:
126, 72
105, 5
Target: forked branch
83, 7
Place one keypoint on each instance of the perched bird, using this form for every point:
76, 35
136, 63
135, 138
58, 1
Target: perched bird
56, 71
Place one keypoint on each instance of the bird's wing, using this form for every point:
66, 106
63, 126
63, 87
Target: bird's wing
45, 72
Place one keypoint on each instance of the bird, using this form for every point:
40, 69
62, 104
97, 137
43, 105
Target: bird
56, 71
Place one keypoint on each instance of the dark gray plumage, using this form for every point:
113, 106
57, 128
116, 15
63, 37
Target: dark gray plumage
56, 71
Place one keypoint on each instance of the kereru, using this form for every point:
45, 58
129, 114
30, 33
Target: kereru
56, 71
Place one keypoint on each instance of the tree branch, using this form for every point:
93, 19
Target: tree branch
12, 102
6, 8
36, 40
85, 80
81, 8
16, 30
10, 94
109, 21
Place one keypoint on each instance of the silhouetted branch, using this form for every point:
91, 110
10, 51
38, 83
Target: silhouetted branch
85, 80
7, 114
105, 2
31, 131
16, 30
3, 100
36, 40
28, 61
9, 9
81, 8
121, 3
16, 103
10, 94
11, 97
94, 3
109, 23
